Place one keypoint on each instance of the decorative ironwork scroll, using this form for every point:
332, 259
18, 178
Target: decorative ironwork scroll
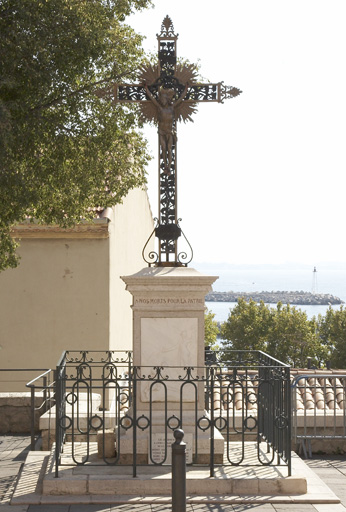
168, 92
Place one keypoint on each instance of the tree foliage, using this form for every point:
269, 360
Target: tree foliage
247, 326
286, 333
211, 329
63, 149
292, 337
331, 329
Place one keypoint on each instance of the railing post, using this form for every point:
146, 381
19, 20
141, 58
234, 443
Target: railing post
134, 423
212, 447
289, 419
178, 472
45, 394
129, 370
58, 398
32, 419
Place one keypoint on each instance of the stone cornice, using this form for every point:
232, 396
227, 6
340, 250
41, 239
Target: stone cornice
96, 229
163, 289
172, 278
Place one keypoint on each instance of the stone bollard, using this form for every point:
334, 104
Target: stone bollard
179, 472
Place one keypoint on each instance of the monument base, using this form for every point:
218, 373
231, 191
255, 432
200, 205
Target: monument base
154, 446
262, 484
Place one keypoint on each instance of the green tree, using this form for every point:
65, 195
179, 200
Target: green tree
211, 329
247, 326
332, 335
292, 337
284, 332
64, 149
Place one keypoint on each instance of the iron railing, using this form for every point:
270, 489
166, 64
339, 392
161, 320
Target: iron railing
45, 384
15, 379
238, 396
318, 408
255, 389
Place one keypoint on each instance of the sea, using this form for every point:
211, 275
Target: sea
328, 278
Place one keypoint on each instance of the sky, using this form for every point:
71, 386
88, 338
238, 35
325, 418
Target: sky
261, 177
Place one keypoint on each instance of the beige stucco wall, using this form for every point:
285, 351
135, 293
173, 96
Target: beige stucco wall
67, 294
132, 226
55, 300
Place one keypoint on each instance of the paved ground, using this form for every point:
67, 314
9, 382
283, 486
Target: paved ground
13, 451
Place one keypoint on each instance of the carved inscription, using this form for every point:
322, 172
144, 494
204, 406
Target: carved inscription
168, 300
158, 448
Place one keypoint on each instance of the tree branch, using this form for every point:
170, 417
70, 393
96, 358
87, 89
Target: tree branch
76, 92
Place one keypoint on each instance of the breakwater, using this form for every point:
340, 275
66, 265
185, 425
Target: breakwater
296, 298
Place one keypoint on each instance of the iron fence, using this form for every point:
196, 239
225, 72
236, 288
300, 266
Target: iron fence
103, 400
318, 409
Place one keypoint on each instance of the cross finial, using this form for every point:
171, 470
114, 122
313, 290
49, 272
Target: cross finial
167, 29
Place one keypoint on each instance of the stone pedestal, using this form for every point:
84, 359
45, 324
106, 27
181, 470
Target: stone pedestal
168, 332
168, 315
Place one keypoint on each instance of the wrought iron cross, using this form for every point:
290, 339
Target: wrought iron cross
168, 92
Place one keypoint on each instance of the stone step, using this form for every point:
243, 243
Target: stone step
115, 484
96, 477
160, 483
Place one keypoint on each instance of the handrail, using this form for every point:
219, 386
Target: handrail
44, 387
32, 387
280, 363
329, 375
29, 384
23, 369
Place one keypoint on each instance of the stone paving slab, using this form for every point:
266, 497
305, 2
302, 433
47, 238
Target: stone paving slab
335, 467
13, 451
189, 508
15, 508
330, 508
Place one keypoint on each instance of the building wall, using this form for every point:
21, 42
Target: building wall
132, 226
55, 300
66, 293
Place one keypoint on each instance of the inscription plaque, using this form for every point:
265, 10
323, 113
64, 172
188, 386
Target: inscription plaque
167, 301
158, 447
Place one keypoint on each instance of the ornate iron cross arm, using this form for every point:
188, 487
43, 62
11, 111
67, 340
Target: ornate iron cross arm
168, 92
128, 93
